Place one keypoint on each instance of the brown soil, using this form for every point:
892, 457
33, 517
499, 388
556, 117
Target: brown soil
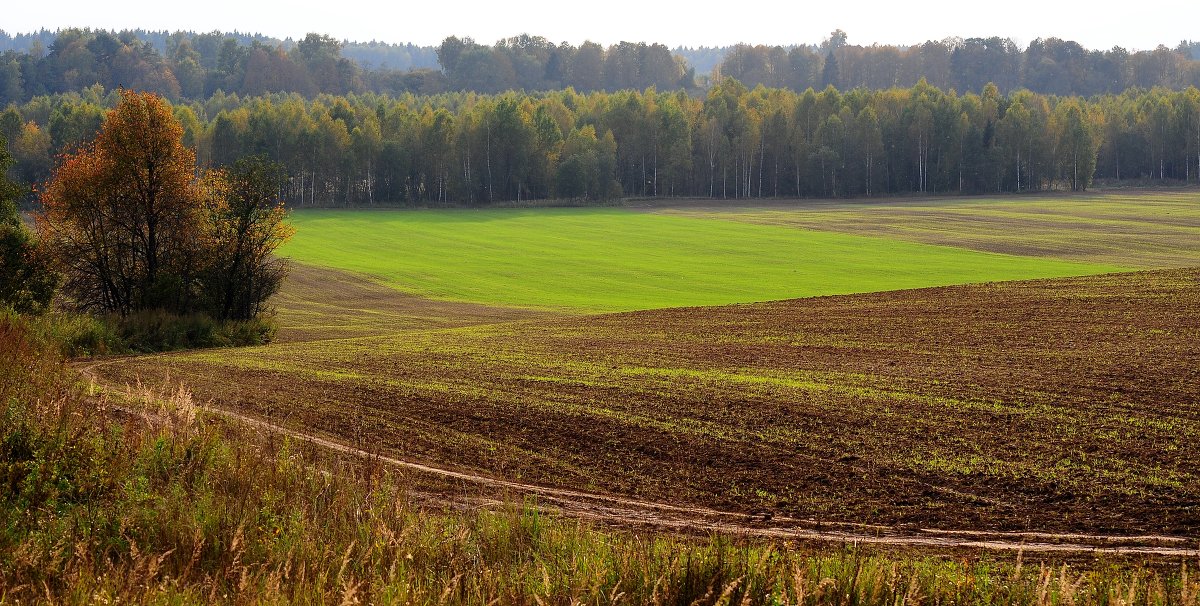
1068, 406
452, 489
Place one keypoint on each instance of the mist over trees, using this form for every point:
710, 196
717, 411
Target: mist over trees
1047, 65
195, 66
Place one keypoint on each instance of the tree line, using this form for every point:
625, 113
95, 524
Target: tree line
1048, 65
191, 66
199, 62
183, 66
734, 142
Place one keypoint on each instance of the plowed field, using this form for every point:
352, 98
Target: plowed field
1059, 405
1142, 229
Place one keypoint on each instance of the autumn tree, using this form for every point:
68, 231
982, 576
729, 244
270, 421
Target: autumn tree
121, 214
131, 227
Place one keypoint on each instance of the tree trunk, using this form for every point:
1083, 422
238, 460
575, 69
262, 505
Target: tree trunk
1018, 171
488, 156
762, 151
868, 181
655, 189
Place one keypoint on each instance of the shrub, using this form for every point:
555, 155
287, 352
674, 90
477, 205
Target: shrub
27, 283
78, 334
158, 330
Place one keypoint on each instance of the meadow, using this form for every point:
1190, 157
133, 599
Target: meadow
616, 260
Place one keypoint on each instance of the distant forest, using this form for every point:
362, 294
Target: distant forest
594, 123
368, 55
195, 66
731, 142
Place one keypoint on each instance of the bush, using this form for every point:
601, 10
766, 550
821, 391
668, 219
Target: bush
27, 283
75, 334
158, 330
78, 334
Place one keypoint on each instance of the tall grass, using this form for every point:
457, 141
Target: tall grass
139, 498
83, 335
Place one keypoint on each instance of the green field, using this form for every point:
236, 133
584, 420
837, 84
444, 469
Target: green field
612, 259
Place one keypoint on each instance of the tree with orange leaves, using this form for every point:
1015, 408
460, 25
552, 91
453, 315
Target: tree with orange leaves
132, 226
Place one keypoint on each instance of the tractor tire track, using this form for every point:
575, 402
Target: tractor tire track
636, 513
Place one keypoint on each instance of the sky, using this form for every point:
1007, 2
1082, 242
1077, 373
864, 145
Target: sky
1095, 25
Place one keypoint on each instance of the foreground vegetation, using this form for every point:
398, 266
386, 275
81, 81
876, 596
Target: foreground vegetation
611, 259
139, 498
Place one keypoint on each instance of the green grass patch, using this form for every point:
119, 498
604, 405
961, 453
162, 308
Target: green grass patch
612, 259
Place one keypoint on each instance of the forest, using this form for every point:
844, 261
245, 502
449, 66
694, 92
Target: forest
528, 119
732, 142
194, 66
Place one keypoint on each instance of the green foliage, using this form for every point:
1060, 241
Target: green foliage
78, 334
246, 224
615, 259
735, 142
585, 166
191, 66
27, 283
75, 334
158, 330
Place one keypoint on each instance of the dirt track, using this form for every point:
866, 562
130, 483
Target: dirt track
634, 513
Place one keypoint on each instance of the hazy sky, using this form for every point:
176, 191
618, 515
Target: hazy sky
1094, 24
